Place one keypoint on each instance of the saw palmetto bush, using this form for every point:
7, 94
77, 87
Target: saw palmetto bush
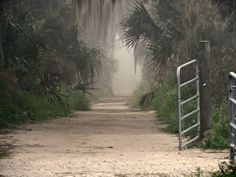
170, 31
44, 61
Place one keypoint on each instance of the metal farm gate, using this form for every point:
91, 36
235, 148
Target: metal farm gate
182, 131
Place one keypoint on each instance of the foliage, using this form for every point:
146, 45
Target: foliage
165, 104
139, 27
138, 93
46, 69
76, 99
169, 32
27, 107
218, 138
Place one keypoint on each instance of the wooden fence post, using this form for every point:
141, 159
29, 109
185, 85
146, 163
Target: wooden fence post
204, 74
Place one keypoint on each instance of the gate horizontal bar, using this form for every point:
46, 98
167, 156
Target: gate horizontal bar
190, 141
190, 128
232, 100
233, 126
189, 82
190, 114
190, 99
232, 74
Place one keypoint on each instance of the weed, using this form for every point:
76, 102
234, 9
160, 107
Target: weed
218, 138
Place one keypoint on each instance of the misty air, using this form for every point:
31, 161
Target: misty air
117, 88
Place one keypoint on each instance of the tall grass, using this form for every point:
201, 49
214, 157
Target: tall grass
28, 107
218, 137
165, 105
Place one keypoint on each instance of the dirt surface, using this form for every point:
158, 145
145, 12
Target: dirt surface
109, 141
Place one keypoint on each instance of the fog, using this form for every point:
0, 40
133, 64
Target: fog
101, 28
87, 86
126, 78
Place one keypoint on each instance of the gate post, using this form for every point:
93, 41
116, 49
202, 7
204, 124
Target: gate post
204, 78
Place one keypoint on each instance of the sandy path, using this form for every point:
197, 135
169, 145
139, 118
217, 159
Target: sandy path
109, 141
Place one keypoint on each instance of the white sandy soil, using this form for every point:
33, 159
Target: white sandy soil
109, 141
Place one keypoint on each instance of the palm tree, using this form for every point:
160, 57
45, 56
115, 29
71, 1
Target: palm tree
37, 45
170, 32
171, 29
151, 30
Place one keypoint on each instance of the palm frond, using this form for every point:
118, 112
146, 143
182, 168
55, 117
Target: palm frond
146, 99
146, 26
85, 87
138, 25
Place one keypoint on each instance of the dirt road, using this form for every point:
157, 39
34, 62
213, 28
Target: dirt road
109, 141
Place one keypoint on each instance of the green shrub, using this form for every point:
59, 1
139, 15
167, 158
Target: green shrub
26, 107
219, 134
41, 108
76, 99
9, 113
216, 142
165, 105
138, 93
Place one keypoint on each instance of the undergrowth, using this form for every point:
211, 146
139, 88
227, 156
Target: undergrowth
218, 137
30, 107
138, 93
165, 105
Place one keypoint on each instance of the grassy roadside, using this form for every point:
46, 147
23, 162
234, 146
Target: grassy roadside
165, 105
26, 107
